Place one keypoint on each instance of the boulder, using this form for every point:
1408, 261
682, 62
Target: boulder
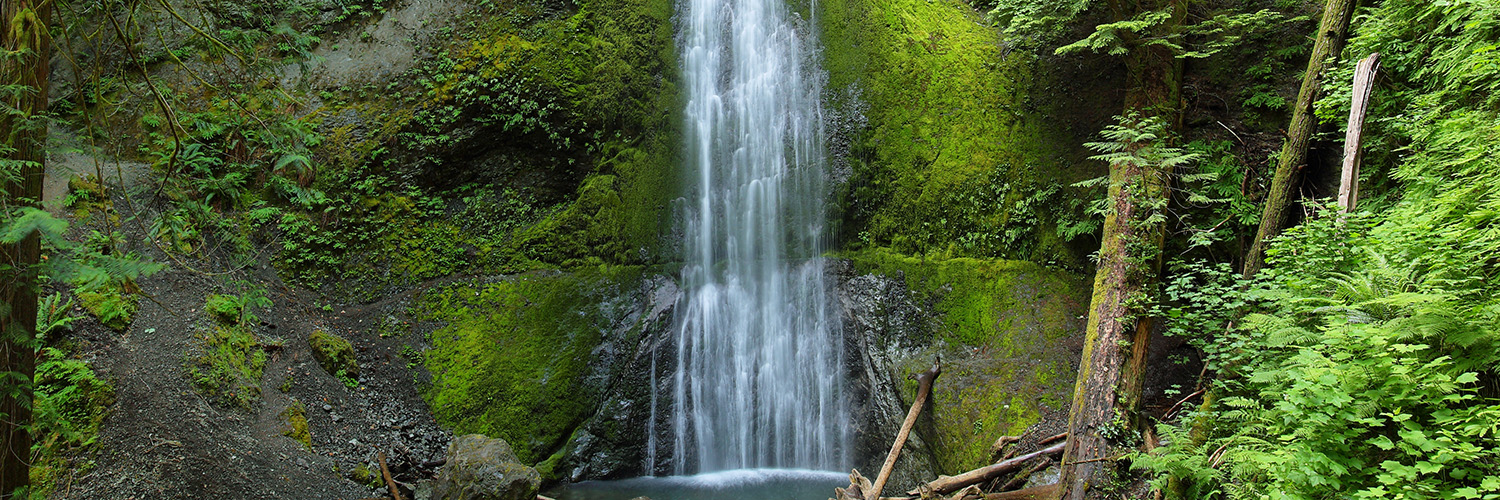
482, 468
334, 354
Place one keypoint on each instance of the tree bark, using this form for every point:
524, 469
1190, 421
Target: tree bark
1107, 394
1364, 78
1330, 43
26, 35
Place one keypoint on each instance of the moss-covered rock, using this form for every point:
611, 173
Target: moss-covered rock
513, 353
334, 353
481, 468
296, 424
1006, 331
114, 308
226, 363
953, 140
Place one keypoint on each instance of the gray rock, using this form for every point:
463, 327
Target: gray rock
482, 468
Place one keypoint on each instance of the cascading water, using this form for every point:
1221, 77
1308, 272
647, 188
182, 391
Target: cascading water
759, 378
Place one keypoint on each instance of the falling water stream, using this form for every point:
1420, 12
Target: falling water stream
759, 381
756, 403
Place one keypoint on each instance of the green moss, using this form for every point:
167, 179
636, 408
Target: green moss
960, 154
334, 353
223, 309
1002, 340
296, 421
510, 361
114, 308
575, 112
225, 364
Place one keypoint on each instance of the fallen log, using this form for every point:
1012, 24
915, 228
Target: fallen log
945, 485
924, 387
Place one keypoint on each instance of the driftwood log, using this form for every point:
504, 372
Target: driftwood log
924, 387
946, 484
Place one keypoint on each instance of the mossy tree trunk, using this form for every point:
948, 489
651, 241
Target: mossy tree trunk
1107, 394
1332, 31
27, 46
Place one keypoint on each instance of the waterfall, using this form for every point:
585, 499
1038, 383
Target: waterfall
759, 377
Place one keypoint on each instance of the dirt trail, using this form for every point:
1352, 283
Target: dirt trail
162, 439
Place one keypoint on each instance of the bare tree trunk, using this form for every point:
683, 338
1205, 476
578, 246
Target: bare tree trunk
924, 387
1364, 79
1330, 43
1112, 369
25, 35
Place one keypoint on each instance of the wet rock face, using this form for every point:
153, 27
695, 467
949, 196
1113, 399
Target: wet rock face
884, 329
482, 468
635, 359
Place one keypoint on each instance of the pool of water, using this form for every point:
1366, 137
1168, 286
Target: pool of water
743, 484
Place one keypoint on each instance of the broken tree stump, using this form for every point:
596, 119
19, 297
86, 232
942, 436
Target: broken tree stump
924, 387
1364, 79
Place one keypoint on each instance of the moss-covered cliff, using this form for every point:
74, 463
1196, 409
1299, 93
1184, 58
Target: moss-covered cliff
1006, 332
953, 142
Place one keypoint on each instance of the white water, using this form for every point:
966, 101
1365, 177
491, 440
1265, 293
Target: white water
759, 379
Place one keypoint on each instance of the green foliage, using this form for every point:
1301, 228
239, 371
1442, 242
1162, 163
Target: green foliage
225, 364
54, 313
114, 307
335, 354
222, 308
69, 406
231, 310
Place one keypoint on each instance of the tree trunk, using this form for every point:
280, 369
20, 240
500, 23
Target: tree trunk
1107, 394
25, 34
1330, 43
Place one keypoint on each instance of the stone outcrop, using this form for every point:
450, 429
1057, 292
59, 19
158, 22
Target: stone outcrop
482, 468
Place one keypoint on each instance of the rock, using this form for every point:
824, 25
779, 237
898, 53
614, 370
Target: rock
333, 353
482, 468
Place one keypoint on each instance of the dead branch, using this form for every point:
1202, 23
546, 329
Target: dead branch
924, 387
944, 485
1026, 474
385, 472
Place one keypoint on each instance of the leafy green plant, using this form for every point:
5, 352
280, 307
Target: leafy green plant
69, 406
54, 313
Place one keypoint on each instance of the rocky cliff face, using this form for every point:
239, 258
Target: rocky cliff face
1001, 374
